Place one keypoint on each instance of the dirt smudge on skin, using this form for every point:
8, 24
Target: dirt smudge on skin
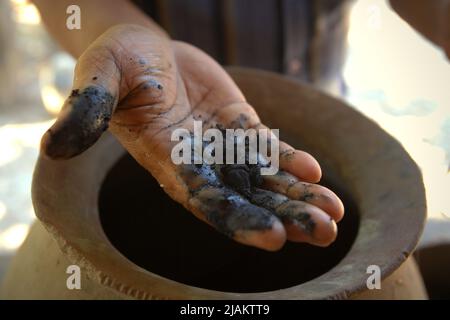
224, 208
306, 195
84, 117
222, 193
230, 197
229, 212
305, 221
293, 211
287, 210
288, 155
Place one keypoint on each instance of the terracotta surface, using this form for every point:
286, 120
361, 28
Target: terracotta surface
355, 153
33, 277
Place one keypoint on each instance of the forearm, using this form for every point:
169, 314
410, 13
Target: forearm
96, 17
430, 18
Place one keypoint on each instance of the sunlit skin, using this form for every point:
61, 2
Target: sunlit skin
156, 85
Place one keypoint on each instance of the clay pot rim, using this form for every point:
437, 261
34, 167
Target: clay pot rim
134, 281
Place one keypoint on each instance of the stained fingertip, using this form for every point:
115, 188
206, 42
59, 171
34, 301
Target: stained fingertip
319, 196
324, 234
307, 223
234, 216
295, 234
83, 119
301, 164
54, 147
271, 239
340, 210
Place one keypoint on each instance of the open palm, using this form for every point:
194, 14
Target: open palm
143, 86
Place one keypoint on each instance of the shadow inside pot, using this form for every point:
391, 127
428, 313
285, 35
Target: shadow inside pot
159, 235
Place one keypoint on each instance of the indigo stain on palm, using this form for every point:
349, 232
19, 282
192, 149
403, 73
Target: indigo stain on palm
231, 200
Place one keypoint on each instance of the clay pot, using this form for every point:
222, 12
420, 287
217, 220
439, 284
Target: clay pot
104, 213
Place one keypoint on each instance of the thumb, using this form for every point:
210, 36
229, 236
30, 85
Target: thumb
86, 112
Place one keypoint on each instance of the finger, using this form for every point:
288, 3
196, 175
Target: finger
304, 222
295, 233
307, 223
86, 112
287, 184
229, 212
299, 163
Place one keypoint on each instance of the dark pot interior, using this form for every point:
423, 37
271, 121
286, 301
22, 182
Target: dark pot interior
159, 235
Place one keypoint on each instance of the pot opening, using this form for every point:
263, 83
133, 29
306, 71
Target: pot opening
159, 235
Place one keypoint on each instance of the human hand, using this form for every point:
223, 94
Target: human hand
143, 86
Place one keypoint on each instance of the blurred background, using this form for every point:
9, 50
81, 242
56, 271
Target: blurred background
391, 74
